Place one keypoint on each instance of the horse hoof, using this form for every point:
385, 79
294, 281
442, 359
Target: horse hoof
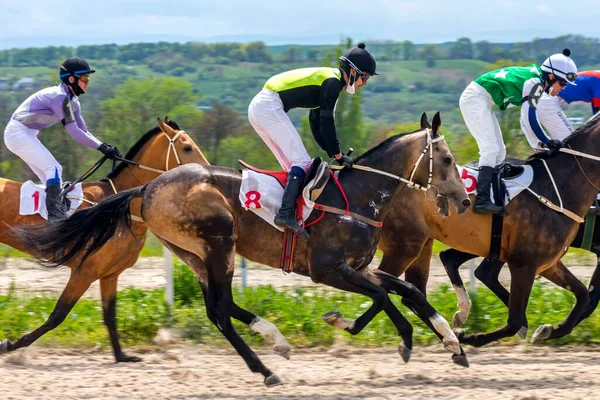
523, 332
331, 317
129, 359
541, 333
458, 320
282, 351
273, 380
4, 346
404, 352
460, 359
453, 345
460, 333
337, 320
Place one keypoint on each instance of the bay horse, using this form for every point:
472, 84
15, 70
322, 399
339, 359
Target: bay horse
488, 272
160, 149
534, 237
195, 211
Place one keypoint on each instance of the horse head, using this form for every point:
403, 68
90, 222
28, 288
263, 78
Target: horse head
442, 175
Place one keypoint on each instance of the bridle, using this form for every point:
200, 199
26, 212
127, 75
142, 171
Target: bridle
410, 181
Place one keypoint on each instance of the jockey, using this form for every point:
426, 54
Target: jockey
549, 108
43, 109
317, 89
506, 87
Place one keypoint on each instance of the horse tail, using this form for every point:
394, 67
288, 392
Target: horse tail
81, 234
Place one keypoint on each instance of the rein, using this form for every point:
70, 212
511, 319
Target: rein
409, 183
560, 208
99, 163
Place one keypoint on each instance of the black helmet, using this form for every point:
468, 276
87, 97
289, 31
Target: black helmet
359, 59
74, 66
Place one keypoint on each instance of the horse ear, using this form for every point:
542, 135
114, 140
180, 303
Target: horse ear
437, 121
424, 121
164, 127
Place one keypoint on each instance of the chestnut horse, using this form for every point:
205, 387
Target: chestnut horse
159, 150
195, 211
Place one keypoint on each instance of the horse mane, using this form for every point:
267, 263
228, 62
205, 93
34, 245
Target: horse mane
581, 130
386, 143
137, 147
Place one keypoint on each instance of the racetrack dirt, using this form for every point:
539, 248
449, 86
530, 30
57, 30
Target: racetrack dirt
516, 372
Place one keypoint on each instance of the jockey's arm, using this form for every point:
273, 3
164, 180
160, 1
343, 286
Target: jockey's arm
70, 123
532, 93
327, 135
552, 117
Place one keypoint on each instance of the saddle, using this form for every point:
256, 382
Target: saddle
262, 195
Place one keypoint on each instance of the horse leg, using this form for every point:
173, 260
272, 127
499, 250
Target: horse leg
452, 260
522, 278
219, 301
216, 271
560, 275
488, 272
344, 277
594, 291
257, 324
76, 287
422, 308
108, 290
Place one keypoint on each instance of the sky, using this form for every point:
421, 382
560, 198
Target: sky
38, 23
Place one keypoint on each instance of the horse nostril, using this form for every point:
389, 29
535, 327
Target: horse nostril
466, 203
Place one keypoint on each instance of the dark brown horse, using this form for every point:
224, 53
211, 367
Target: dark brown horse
489, 270
195, 211
160, 149
533, 241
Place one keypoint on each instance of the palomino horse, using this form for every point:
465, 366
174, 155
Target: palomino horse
195, 211
533, 241
159, 150
489, 270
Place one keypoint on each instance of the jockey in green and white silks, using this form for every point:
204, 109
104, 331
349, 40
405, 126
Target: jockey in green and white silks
317, 89
509, 87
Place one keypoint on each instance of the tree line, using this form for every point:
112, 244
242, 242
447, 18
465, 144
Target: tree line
585, 50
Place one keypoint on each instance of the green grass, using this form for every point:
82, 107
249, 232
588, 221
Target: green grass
296, 312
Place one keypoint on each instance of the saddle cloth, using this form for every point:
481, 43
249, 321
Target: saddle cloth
514, 185
262, 191
33, 199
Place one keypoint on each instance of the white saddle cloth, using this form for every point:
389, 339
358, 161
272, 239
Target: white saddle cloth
33, 199
514, 186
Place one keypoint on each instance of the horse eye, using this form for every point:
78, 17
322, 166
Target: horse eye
187, 148
448, 160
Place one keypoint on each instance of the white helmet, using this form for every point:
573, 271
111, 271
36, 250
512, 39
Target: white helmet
561, 66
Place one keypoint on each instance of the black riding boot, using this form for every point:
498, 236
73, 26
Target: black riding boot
55, 208
286, 216
483, 204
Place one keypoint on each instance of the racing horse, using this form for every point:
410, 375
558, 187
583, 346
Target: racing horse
160, 149
196, 212
534, 238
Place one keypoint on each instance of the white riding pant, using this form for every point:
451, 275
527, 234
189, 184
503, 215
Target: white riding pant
275, 128
23, 142
476, 106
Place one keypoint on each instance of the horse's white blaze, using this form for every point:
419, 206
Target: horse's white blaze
269, 332
464, 302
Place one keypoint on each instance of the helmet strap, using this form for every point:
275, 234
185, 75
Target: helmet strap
350, 89
549, 82
75, 86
